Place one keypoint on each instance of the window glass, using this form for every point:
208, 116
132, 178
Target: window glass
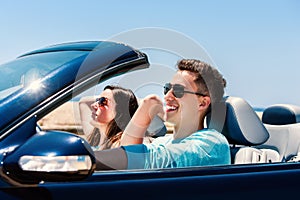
25, 70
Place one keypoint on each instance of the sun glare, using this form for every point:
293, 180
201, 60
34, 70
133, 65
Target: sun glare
35, 86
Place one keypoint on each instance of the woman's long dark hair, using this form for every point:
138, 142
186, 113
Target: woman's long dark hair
126, 105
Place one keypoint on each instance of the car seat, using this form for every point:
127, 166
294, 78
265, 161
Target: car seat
243, 129
283, 123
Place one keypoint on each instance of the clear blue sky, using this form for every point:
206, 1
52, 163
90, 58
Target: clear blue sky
255, 43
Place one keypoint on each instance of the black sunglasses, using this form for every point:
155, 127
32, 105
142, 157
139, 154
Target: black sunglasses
178, 90
102, 101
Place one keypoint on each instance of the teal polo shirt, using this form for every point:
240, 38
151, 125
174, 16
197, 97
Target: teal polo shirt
205, 147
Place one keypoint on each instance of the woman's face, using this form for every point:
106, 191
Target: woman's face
104, 113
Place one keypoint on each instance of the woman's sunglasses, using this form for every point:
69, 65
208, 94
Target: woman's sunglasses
102, 101
178, 90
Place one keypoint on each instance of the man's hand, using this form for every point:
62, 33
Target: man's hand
135, 131
148, 108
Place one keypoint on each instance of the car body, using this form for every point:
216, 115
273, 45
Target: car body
38, 82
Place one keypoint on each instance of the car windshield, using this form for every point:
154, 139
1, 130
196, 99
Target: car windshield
25, 70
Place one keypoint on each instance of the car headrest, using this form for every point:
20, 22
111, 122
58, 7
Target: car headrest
241, 124
281, 114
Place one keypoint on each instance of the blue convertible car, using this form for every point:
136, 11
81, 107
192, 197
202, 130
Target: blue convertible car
42, 162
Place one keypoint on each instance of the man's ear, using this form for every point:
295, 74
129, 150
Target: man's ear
204, 102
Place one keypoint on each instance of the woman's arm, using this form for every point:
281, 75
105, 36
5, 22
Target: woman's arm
85, 112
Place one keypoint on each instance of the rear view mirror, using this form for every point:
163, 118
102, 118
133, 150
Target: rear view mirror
50, 156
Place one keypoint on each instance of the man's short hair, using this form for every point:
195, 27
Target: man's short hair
208, 79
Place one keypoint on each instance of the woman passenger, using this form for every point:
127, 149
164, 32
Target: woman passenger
111, 113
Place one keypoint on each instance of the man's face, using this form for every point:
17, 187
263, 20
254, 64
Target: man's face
183, 112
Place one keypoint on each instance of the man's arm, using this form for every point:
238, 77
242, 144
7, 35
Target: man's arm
135, 131
111, 159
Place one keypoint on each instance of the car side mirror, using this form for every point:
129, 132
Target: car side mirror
50, 156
